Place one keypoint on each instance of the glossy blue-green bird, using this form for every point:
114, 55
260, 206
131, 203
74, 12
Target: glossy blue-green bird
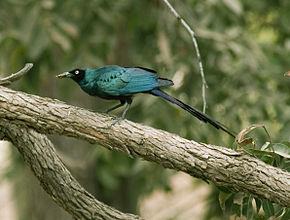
121, 83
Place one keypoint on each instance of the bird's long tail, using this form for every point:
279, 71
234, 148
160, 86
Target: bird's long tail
201, 116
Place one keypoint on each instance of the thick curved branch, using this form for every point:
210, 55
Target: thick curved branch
222, 166
54, 177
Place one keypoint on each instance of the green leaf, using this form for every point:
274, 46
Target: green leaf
258, 204
260, 153
268, 208
223, 197
281, 149
236, 209
285, 164
286, 215
286, 143
247, 207
250, 209
279, 211
265, 146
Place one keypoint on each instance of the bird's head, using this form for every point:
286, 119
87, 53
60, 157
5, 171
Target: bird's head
76, 74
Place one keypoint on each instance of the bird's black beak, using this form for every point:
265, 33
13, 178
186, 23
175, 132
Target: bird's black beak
64, 75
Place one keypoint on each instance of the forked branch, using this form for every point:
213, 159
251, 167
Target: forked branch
220, 165
54, 177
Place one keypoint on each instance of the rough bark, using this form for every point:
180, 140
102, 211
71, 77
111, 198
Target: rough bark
54, 177
220, 165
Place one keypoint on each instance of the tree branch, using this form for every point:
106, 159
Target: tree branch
54, 177
15, 76
222, 166
192, 34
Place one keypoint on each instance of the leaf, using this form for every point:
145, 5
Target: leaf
258, 204
268, 208
286, 143
286, 215
223, 197
247, 207
281, 149
260, 153
250, 209
279, 212
285, 164
265, 146
236, 209
273, 155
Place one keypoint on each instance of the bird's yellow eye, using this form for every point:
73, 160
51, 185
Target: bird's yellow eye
77, 72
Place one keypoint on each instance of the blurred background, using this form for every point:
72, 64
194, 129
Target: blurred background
245, 50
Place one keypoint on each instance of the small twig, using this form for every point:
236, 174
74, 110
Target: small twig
243, 141
15, 76
192, 34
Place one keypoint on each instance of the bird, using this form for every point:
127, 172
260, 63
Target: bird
113, 82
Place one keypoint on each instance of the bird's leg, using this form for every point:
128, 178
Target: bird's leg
129, 102
116, 106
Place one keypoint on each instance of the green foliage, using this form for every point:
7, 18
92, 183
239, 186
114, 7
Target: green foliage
245, 50
240, 204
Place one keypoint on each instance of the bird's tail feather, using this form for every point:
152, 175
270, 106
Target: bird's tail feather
201, 116
164, 82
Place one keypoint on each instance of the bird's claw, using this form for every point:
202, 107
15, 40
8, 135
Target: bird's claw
117, 121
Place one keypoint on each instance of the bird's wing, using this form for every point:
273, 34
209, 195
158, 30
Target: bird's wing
109, 82
139, 80
126, 81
